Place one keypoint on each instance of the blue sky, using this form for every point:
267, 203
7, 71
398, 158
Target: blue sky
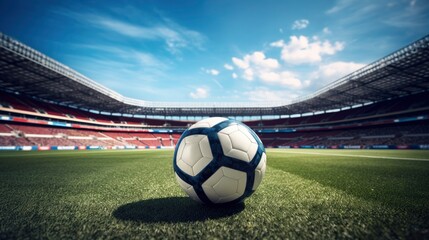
220, 50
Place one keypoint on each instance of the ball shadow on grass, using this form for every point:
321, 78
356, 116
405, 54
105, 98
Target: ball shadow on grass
173, 210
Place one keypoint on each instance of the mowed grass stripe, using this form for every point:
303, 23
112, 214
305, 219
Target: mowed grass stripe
394, 183
355, 155
310, 209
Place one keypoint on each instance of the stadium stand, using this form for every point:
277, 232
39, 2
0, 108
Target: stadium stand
13, 134
27, 106
327, 129
395, 107
364, 126
373, 131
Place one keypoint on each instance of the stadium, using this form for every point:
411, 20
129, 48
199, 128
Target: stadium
46, 105
80, 160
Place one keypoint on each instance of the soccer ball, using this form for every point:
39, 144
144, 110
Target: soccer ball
219, 161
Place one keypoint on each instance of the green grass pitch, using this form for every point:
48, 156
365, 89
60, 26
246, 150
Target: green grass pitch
306, 194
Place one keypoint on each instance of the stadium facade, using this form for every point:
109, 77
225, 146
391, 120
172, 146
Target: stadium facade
46, 105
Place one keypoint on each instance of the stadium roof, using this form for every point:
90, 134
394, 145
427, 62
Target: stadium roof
31, 73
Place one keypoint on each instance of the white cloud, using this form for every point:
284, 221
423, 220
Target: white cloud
269, 76
284, 78
228, 67
240, 63
337, 70
339, 6
300, 24
213, 72
268, 70
259, 60
199, 93
234, 75
412, 16
256, 66
126, 55
174, 35
301, 50
331, 72
326, 30
256, 59
262, 94
248, 74
279, 43
146, 59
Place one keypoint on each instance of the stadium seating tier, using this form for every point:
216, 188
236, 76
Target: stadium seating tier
365, 125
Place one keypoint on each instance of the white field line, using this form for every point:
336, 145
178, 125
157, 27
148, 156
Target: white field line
363, 156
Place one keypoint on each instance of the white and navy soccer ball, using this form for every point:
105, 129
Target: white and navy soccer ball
219, 161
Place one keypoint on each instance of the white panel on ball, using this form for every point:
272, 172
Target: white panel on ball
194, 154
188, 189
208, 123
238, 143
225, 185
260, 171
